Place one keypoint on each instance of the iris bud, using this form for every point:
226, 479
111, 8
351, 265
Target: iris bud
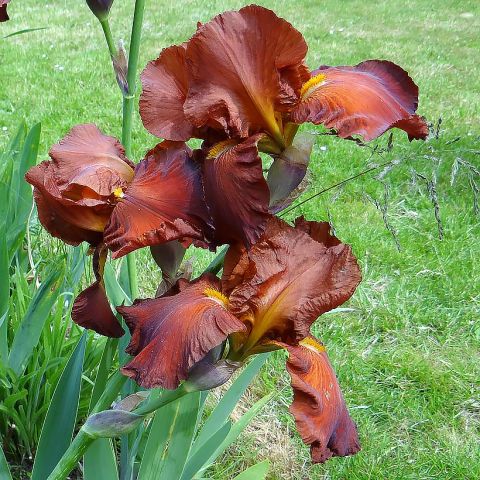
100, 8
111, 423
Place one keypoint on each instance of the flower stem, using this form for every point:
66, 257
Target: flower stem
129, 100
128, 105
108, 36
82, 440
165, 398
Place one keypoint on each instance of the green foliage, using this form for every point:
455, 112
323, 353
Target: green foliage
36, 333
62, 412
256, 472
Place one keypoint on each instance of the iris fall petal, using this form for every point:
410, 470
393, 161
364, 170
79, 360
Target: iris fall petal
171, 334
321, 416
366, 100
164, 202
236, 191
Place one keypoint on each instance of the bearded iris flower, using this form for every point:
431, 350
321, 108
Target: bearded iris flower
268, 299
89, 191
241, 79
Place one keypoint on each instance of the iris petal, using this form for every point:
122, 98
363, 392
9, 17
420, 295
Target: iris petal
165, 85
171, 334
318, 406
285, 281
244, 66
91, 308
366, 100
236, 192
164, 202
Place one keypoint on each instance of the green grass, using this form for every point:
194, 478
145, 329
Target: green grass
408, 357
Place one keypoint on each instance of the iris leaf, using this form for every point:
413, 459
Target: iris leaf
39, 309
4, 470
170, 439
225, 406
60, 420
255, 472
100, 460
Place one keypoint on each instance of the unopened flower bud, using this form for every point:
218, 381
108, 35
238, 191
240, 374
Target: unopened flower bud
206, 375
100, 8
111, 423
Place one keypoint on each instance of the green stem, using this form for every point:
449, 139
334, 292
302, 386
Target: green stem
129, 100
165, 398
108, 36
82, 440
71, 457
128, 106
127, 123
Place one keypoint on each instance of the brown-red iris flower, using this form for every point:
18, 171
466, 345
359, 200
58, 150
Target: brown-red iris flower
243, 75
268, 298
3, 10
89, 191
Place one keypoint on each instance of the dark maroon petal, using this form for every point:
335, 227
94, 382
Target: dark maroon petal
243, 67
3, 11
61, 217
91, 308
164, 202
171, 334
284, 282
236, 192
89, 166
165, 85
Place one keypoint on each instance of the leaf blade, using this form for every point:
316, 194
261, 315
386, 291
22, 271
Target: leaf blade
61, 416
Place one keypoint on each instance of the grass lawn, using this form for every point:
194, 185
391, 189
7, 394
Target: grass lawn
407, 354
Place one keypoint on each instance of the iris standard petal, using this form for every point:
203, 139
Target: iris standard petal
89, 165
243, 66
164, 89
288, 281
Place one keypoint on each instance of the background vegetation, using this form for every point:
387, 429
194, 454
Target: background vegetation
407, 350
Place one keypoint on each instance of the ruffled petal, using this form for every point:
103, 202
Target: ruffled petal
321, 232
321, 416
164, 202
90, 166
285, 281
236, 192
243, 66
91, 308
171, 334
165, 86
61, 217
366, 100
